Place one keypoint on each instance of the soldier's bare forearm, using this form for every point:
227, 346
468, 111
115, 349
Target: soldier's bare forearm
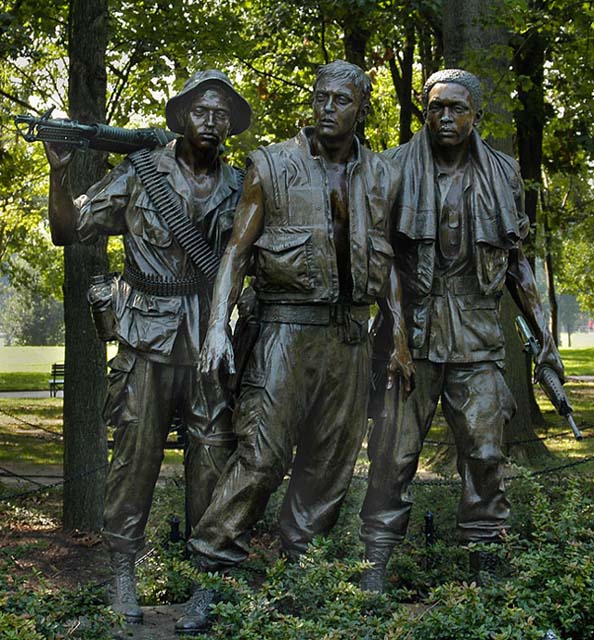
391, 305
521, 284
247, 228
228, 285
400, 358
62, 211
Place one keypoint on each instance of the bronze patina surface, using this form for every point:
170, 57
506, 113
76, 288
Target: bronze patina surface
314, 216
160, 305
457, 229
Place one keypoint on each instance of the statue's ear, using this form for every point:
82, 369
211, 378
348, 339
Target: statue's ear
478, 116
364, 110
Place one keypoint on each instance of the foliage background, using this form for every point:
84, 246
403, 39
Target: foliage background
271, 50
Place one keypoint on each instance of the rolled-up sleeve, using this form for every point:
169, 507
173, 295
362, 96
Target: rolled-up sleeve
102, 209
517, 187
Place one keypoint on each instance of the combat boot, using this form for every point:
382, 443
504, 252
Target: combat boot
196, 612
122, 590
373, 578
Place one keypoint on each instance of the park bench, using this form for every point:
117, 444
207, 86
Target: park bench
56, 382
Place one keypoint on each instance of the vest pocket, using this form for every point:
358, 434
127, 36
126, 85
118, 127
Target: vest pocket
380, 258
284, 261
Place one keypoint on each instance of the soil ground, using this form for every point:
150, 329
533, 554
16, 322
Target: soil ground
69, 560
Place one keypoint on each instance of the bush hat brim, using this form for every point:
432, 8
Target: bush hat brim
175, 108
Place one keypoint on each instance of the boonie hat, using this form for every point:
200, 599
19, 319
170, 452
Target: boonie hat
241, 112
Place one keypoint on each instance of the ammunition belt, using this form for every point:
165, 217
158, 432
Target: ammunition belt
169, 206
156, 285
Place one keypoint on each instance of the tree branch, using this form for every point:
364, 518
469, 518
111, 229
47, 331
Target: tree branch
124, 76
22, 103
268, 74
323, 37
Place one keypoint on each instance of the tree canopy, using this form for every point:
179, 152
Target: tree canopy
271, 50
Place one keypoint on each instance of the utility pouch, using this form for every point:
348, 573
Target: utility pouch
354, 324
100, 297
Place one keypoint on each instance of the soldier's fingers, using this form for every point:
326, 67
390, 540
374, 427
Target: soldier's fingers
208, 362
230, 361
390, 379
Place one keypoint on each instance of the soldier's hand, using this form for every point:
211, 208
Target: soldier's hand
401, 363
58, 155
549, 357
217, 348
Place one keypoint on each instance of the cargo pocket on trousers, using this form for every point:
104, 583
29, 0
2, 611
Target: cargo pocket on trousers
119, 408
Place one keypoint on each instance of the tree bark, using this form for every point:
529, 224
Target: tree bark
551, 292
85, 442
401, 71
530, 119
355, 45
468, 27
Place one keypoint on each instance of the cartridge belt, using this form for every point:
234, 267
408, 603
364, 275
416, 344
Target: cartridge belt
156, 285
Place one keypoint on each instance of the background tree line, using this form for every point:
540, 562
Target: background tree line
119, 61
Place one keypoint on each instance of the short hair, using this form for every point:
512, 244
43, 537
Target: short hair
342, 70
458, 76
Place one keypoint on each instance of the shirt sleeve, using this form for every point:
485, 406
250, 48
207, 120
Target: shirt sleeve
102, 208
517, 187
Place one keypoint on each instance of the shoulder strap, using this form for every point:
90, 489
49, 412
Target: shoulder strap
169, 206
269, 162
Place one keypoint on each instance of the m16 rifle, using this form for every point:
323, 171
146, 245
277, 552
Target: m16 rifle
89, 136
548, 378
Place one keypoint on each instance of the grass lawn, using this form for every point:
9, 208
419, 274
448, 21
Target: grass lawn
24, 381
29, 359
31, 430
28, 368
578, 362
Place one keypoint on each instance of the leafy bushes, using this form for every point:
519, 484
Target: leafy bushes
547, 582
42, 614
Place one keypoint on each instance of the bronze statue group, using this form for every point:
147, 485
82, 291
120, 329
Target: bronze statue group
431, 231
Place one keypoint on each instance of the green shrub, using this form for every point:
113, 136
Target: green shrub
43, 614
547, 581
313, 599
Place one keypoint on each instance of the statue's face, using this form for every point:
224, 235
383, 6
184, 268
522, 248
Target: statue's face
450, 114
209, 120
337, 108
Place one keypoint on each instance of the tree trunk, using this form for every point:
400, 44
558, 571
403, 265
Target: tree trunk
85, 442
530, 120
355, 45
468, 28
401, 71
551, 292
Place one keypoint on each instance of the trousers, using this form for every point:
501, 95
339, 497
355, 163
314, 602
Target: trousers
476, 404
142, 397
304, 386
